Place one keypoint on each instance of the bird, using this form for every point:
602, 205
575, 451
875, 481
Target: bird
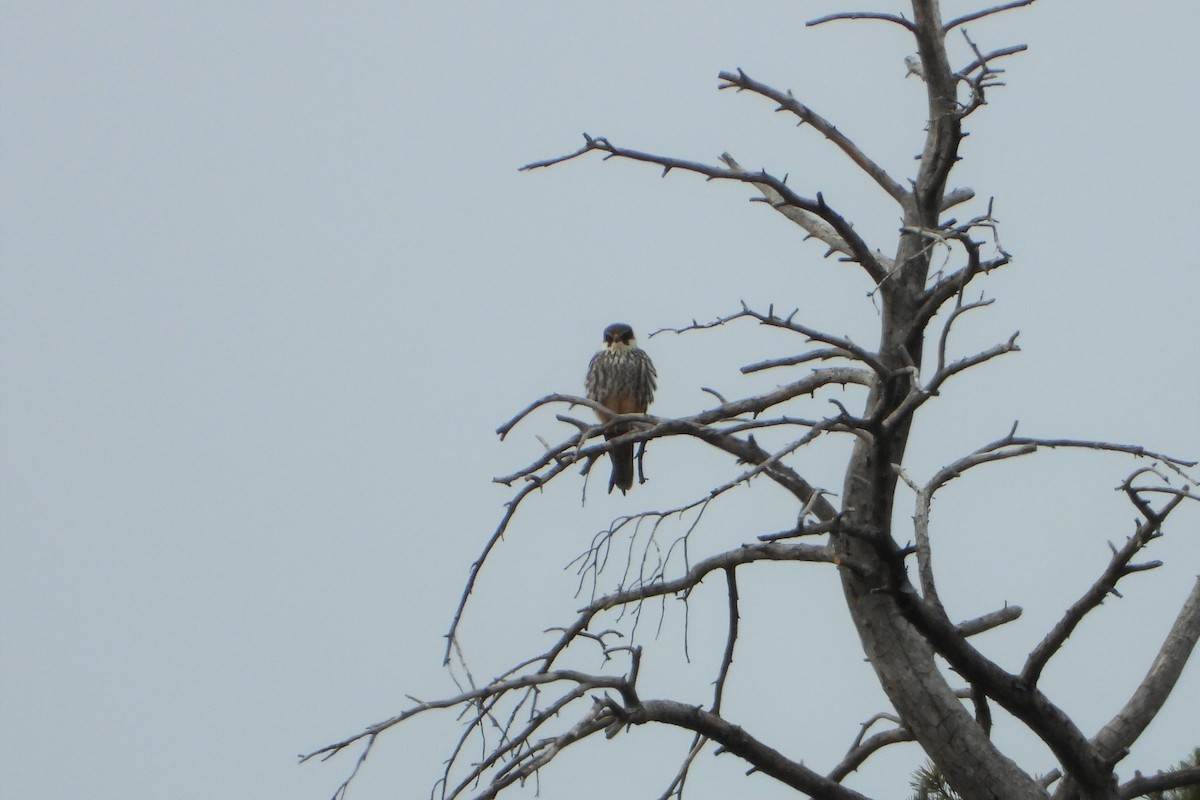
621, 378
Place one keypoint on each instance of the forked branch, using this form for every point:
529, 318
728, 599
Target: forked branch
1013, 446
475, 695
864, 747
1120, 565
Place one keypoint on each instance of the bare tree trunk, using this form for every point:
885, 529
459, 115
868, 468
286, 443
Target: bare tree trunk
902, 656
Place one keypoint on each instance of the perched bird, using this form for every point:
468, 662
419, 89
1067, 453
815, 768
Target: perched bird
621, 378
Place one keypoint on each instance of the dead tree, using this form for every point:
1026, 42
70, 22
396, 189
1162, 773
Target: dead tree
541, 706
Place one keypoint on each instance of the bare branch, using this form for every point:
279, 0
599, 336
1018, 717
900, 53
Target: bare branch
967, 362
676, 786
1024, 701
955, 197
730, 640
699, 425
1118, 567
792, 361
594, 560
850, 15
816, 227
517, 741
954, 284
988, 621
662, 587
830, 228
1142, 785
858, 249
921, 533
882, 716
951, 285
477, 565
1010, 446
863, 748
983, 59
960, 308
340, 792
600, 718
1172, 462
924, 503
987, 12
979, 84
919, 395
787, 102
735, 740
841, 346
570, 399
524, 763
749, 451
742, 426
569, 452
855, 758
746, 554
1125, 728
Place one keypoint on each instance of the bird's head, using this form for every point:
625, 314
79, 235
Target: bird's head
618, 337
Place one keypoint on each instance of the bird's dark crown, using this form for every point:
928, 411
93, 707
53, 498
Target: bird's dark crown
618, 332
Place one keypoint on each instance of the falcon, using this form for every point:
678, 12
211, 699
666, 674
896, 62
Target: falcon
621, 378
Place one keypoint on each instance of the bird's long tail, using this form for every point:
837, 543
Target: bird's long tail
622, 468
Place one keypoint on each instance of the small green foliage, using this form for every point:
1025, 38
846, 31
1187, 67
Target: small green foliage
928, 783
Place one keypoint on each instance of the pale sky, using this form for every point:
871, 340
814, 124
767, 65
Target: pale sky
271, 279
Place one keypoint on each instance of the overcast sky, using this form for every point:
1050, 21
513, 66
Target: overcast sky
271, 279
